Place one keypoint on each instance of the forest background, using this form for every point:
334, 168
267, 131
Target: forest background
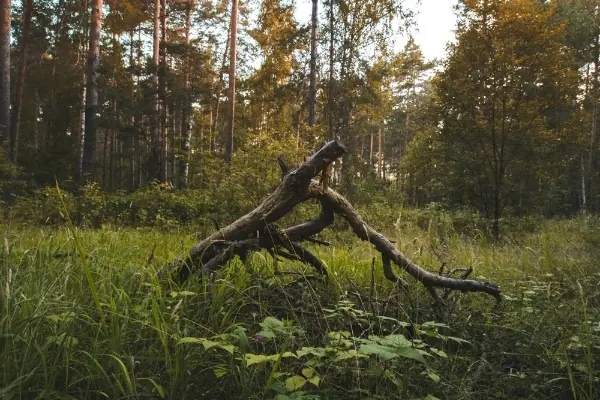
130, 128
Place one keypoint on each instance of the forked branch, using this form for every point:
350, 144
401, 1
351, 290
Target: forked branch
257, 230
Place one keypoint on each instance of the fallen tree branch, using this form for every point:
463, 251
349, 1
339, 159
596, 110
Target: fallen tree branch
257, 230
342, 207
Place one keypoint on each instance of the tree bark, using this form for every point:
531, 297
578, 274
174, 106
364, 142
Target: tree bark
220, 87
154, 159
312, 95
371, 152
79, 178
232, 71
583, 205
164, 169
105, 155
184, 169
257, 230
81, 142
142, 150
16, 112
91, 103
331, 65
36, 115
133, 149
380, 155
5, 70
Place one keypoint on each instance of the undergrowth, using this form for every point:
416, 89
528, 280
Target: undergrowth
84, 317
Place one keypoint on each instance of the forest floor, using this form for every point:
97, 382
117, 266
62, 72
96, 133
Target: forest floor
83, 316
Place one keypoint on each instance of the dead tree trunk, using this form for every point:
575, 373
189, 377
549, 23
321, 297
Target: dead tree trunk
257, 230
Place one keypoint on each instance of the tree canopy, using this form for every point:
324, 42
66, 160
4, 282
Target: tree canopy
125, 93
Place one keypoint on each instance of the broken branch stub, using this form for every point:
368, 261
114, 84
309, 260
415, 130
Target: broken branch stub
257, 230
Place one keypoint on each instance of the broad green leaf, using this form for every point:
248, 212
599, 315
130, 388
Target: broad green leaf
396, 341
433, 376
209, 344
295, 383
342, 355
389, 352
261, 358
338, 335
252, 359
278, 386
308, 372
384, 352
227, 347
317, 352
315, 380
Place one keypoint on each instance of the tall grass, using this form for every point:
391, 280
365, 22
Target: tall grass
84, 317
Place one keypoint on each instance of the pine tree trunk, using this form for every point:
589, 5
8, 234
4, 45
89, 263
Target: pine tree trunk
371, 152
36, 115
133, 142
380, 155
81, 141
105, 183
211, 134
312, 96
112, 149
142, 150
331, 64
16, 112
583, 206
154, 162
164, 171
201, 161
79, 177
399, 170
175, 128
232, 70
91, 103
4, 70
121, 170
219, 89
186, 132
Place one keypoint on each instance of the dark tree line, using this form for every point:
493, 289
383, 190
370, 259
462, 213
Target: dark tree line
124, 93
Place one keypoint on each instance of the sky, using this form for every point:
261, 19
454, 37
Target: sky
435, 23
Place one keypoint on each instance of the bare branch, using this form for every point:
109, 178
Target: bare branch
257, 230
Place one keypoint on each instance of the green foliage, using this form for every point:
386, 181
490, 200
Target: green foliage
227, 194
231, 338
505, 102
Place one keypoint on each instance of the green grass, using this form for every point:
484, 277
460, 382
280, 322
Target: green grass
83, 316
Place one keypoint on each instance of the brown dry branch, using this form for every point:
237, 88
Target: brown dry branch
258, 230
